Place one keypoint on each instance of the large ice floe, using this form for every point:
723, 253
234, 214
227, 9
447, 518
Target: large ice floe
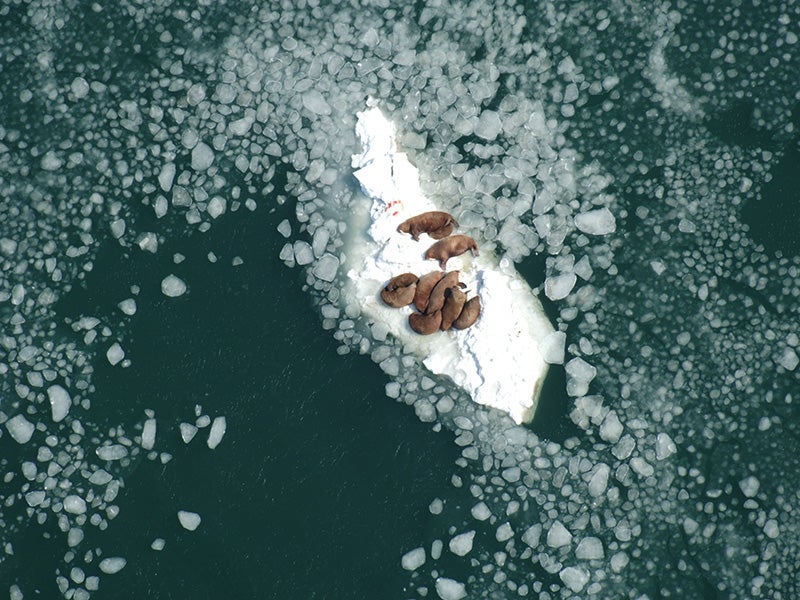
498, 360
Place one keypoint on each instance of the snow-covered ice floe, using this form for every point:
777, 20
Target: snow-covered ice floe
500, 360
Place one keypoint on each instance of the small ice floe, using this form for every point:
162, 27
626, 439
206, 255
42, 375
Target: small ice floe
218, 428
189, 520
173, 286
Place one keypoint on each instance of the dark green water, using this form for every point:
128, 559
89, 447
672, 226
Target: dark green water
680, 119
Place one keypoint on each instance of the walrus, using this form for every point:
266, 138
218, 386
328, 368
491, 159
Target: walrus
436, 301
454, 300
425, 324
400, 290
450, 247
436, 223
469, 314
425, 286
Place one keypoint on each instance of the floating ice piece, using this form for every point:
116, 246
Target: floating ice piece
552, 347
149, 434
749, 486
189, 520
461, 545
112, 452
481, 512
558, 287
79, 87
450, 589
188, 431
413, 559
558, 535
532, 535
60, 402
202, 157
789, 359
596, 222
497, 360
589, 548
128, 306
665, 447
74, 504
173, 286
158, 544
115, 354
20, 429
218, 428
575, 578
326, 267
166, 176
113, 564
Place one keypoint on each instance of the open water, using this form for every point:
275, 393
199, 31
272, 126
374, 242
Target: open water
212, 141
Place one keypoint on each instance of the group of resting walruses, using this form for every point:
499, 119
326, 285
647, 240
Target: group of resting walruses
438, 296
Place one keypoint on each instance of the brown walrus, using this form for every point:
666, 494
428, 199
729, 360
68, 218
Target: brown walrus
450, 247
425, 286
454, 300
436, 301
400, 290
436, 223
425, 324
469, 314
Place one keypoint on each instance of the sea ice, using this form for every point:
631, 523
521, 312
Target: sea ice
113, 564
202, 157
60, 402
20, 429
413, 559
450, 589
461, 544
218, 428
74, 504
173, 286
189, 520
497, 360
149, 434
558, 535
596, 222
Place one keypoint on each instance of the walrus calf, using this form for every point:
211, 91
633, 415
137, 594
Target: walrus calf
436, 223
436, 301
454, 300
469, 313
425, 324
449, 247
425, 286
400, 290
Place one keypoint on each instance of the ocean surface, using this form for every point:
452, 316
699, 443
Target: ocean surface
172, 174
